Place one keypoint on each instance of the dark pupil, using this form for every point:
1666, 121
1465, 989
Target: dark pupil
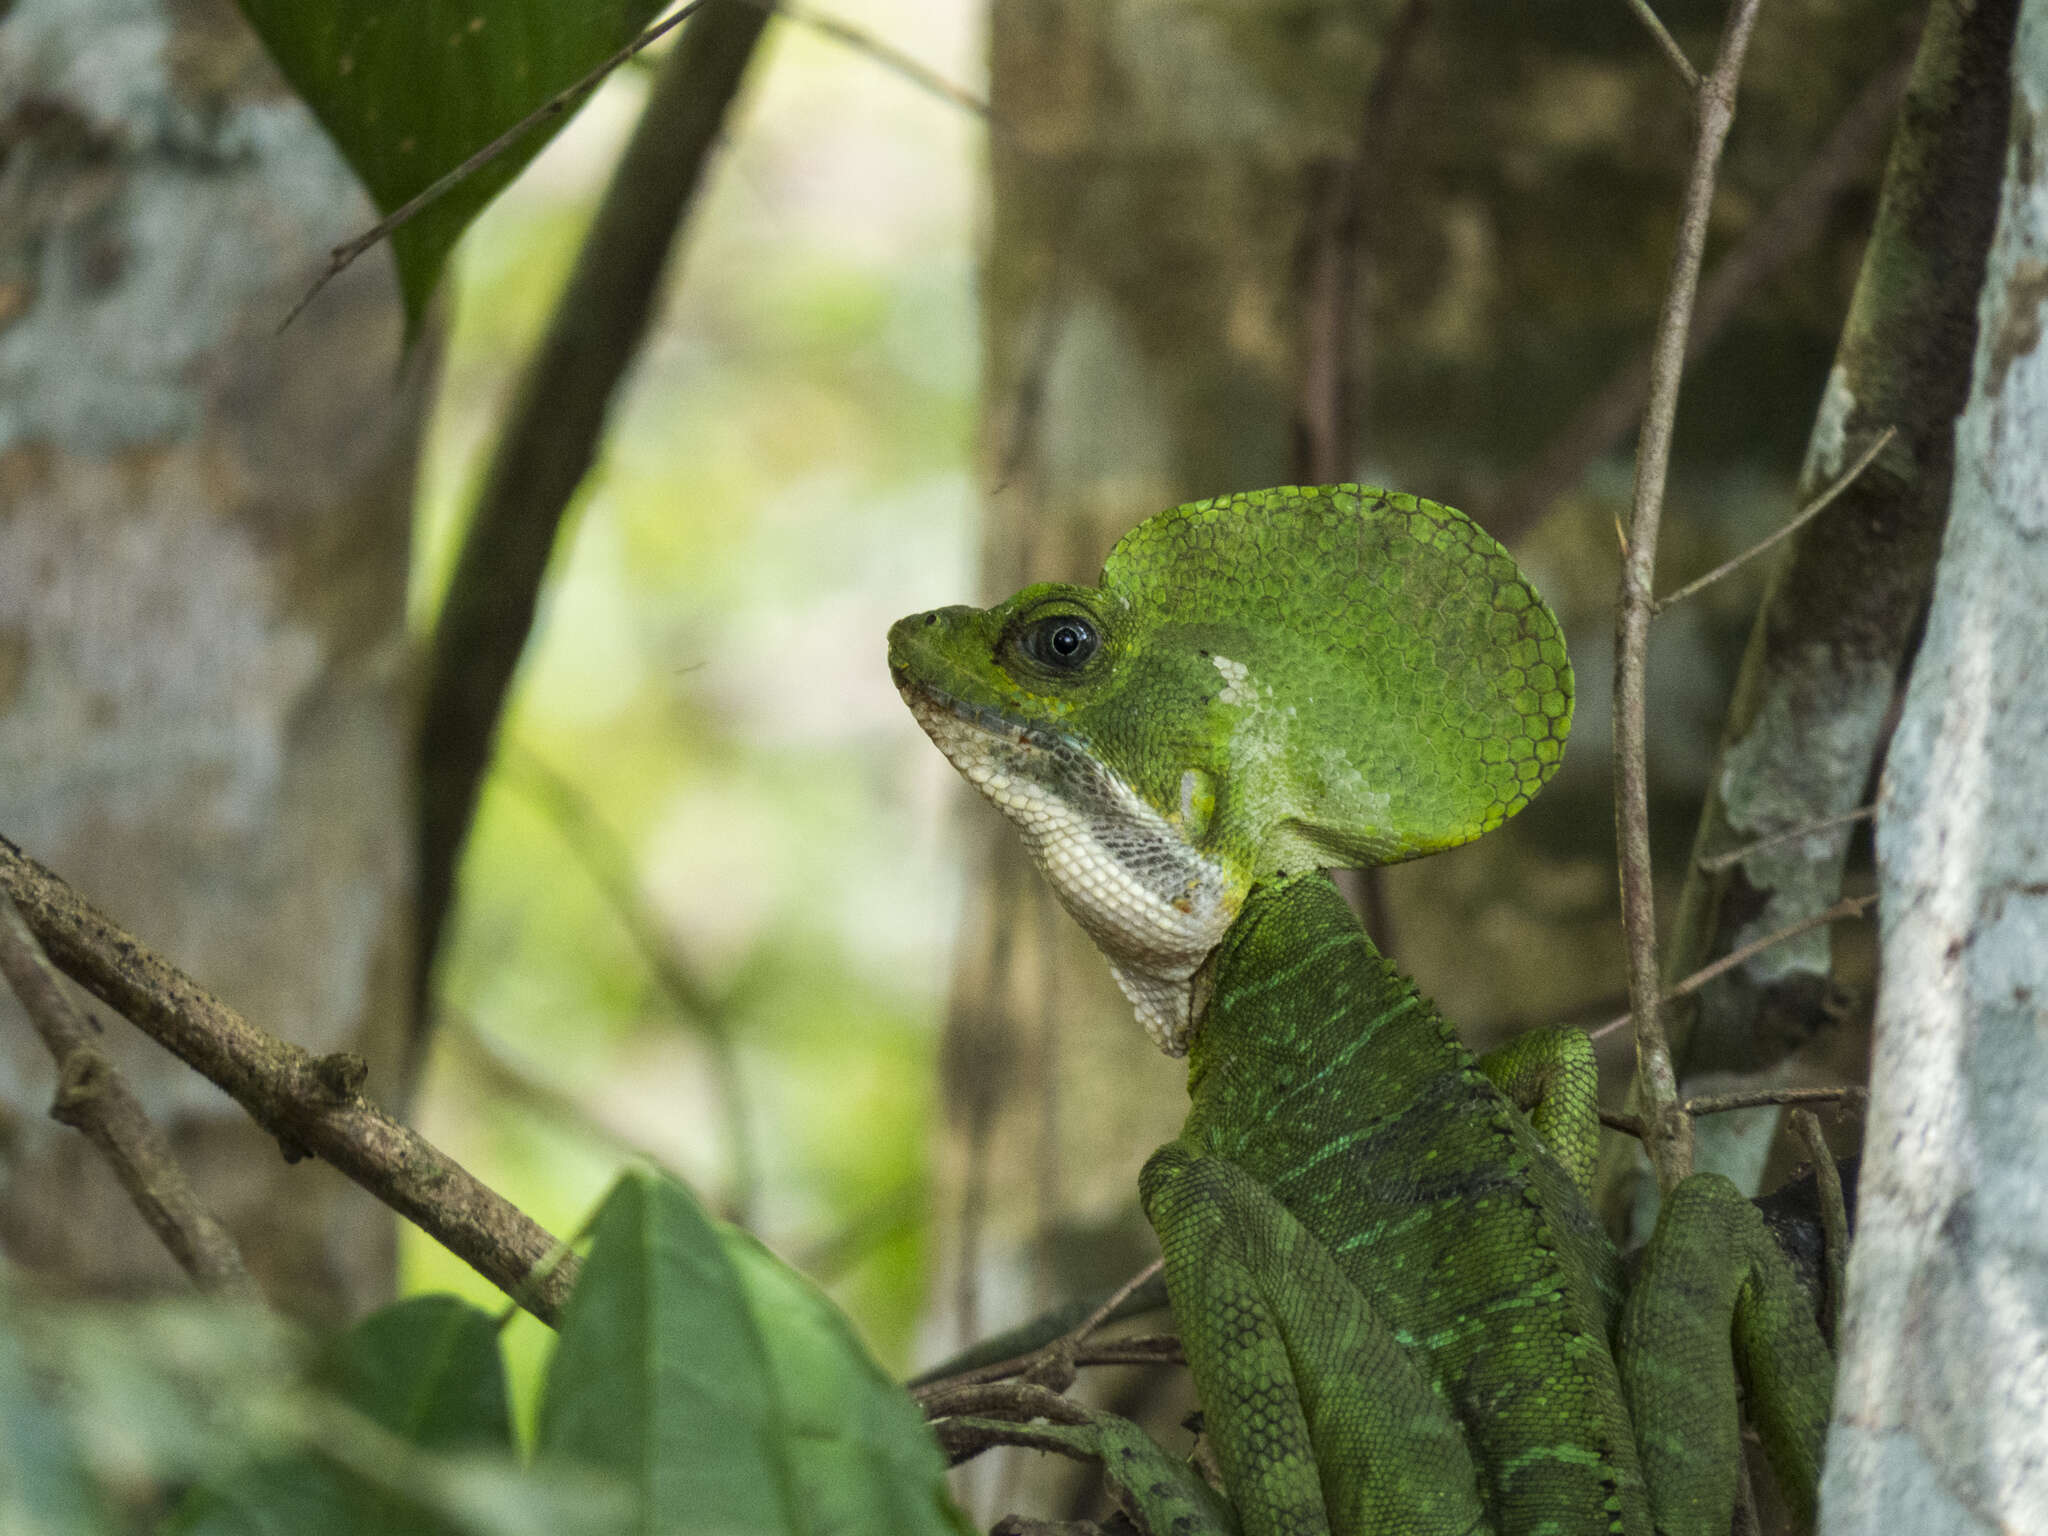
1068, 639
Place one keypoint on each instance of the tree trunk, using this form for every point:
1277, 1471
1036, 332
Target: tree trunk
204, 707
1941, 1412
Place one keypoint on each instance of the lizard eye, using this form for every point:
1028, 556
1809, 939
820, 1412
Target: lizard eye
1062, 642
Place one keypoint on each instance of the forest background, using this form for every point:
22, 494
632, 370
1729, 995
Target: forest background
962, 294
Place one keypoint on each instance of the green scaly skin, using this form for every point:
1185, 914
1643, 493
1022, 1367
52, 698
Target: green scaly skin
1398, 1308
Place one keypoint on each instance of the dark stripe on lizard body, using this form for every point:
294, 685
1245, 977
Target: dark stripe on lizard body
1349, 1098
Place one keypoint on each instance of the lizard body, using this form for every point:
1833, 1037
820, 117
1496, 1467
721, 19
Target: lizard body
1399, 1310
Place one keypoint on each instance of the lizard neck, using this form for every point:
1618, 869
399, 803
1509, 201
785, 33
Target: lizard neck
1308, 1032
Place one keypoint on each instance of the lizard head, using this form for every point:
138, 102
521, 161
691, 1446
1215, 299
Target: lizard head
1261, 684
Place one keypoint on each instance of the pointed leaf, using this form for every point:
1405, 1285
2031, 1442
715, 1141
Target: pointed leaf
661, 1375
409, 89
428, 1368
859, 1452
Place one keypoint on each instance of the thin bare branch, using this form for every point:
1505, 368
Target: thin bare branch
310, 1104
1052, 1364
1670, 1132
1813, 509
1847, 907
95, 1099
1849, 1095
1139, 1349
1115, 1299
1336, 264
340, 258
1666, 43
1714, 864
886, 54
600, 852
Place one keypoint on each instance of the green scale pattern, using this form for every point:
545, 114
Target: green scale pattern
1389, 600
1492, 1293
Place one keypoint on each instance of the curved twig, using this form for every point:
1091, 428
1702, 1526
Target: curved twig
95, 1099
310, 1104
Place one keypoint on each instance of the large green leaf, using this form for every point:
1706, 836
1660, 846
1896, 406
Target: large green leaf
729, 1389
661, 1375
858, 1447
428, 1368
409, 89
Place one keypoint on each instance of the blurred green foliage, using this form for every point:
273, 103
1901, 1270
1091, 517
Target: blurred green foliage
700, 1382
786, 472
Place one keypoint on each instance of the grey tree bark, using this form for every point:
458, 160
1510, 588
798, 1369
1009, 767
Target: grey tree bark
1941, 1411
204, 704
1833, 635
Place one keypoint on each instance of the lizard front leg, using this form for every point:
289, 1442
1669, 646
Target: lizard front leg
1551, 1076
1320, 1421
1714, 1302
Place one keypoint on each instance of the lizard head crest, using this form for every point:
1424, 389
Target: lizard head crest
1263, 683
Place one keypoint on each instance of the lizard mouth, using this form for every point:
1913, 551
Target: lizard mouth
928, 703
1152, 903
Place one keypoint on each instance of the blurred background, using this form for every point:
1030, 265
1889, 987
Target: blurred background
967, 290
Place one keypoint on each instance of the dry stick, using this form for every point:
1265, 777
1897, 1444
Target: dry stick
608, 863
95, 1099
310, 1104
1670, 1138
1847, 907
1115, 1299
1139, 1349
339, 259
890, 57
1339, 256
1813, 509
1793, 223
1666, 43
1849, 1095
1053, 1363
1714, 864
1834, 1217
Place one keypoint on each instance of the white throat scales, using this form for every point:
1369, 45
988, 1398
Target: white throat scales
1154, 906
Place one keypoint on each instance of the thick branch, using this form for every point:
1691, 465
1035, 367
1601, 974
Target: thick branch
310, 1104
1670, 1131
551, 438
95, 1099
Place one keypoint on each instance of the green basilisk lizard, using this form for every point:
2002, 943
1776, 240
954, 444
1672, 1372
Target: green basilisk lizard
1399, 1310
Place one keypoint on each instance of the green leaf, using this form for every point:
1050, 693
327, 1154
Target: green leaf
43, 1487
409, 89
661, 1375
428, 1368
728, 1388
859, 1451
